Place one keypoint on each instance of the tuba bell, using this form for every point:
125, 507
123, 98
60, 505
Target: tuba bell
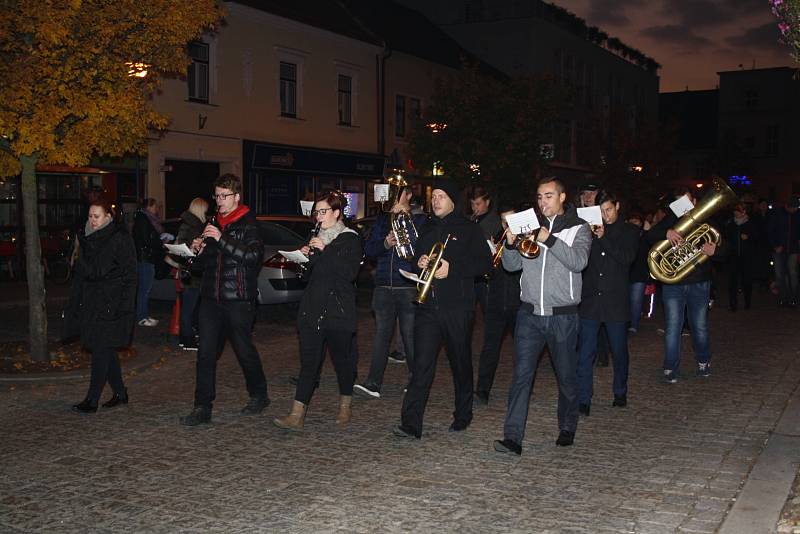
427, 274
670, 264
401, 223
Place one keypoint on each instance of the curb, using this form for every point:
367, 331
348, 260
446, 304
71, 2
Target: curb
140, 366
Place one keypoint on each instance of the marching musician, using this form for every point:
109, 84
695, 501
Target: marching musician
327, 314
605, 300
686, 299
483, 213
447, 314
500, 316
392, 298
551, 292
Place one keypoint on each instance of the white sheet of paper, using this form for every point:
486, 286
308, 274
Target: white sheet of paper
180, 250
293, 255
411, 276
523, 222
568, 235
492, 246
591, 215
381, 192
306, 206
681, 206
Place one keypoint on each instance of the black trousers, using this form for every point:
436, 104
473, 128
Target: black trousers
232, 320
497, 323
312, 354
105, 367
432, 328
741, 272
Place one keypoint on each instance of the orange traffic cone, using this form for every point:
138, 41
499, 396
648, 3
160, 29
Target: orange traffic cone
175, 321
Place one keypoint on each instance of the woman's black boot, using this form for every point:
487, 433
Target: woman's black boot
85, 406
116, 400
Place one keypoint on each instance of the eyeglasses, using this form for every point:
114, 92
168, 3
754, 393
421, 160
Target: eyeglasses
321, 211
223, 196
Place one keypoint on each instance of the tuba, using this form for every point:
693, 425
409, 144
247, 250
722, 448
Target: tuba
427, 274
670, 264
401, 223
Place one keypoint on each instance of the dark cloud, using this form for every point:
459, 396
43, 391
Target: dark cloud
680, 37
611, 12
695, 13
763, 38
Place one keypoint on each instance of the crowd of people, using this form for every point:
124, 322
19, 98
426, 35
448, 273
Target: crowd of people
569, 289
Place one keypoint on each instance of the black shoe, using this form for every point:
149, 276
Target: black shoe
602, 360
584, 409
397, 357
480, 399
402, 431
368, 391
85, 406
255, 405
189, 343
200, 415
116, 400
457, 426
507, 445
620, 401
565, 438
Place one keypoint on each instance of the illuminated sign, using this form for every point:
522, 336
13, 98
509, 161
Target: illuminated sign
739, 180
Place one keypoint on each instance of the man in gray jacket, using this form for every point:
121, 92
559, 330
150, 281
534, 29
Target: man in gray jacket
550, 294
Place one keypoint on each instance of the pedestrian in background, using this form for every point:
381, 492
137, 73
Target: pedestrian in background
102, 301
147, 232
193, 221
740, 234
784, 236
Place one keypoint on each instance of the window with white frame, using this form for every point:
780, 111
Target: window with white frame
197, 73
288, 89
400, 116
345, 92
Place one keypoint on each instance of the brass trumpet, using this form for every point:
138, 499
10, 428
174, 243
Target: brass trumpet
528, 247
427, 274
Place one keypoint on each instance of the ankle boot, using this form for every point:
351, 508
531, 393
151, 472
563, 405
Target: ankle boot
85, 406
295, 419
345, 410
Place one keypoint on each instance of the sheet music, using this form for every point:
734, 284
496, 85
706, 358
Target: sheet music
591, 215
411, 276
681, 206
180, 250
306, 206
381, 192
523, 222
293, 255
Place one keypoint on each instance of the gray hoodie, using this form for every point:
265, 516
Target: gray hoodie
551, 283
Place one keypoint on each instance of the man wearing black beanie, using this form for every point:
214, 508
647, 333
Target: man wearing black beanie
447, 315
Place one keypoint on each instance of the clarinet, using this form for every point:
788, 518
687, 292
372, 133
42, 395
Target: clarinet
304, 269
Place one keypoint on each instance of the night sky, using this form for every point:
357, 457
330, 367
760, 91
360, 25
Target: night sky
692, 39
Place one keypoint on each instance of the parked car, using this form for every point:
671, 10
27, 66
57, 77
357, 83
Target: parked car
277, 280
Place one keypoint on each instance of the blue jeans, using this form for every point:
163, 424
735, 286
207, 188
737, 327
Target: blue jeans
390, 304
618, 340
145, 272
189, 299
688, 301
637, 299
532, 332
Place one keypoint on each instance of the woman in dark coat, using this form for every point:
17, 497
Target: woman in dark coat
327, 313
740, 236
102, 302
193, 221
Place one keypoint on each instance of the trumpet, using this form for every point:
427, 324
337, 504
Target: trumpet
427, 274
527, 246
497, 259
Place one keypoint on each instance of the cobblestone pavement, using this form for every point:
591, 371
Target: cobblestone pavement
672, 461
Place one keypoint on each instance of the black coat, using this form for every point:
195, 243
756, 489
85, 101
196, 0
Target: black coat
503, 291
149, 248
230, 266
103, 298
640, 271
742, 240
468, 255
191, 227
606, 295
329, 300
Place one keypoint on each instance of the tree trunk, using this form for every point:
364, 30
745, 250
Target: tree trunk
37, 305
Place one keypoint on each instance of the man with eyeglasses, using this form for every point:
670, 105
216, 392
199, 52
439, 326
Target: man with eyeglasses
229, 252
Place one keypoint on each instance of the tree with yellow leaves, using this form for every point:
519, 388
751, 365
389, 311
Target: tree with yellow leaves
77, 80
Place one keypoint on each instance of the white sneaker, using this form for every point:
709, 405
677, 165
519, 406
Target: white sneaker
148, 321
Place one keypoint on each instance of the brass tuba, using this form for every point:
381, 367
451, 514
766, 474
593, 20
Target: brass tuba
427, 275
401, 223
670, 264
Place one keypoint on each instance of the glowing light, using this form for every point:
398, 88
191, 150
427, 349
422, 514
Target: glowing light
699, 186
438, 170
475, 168
636, 168
437, 127
138, 70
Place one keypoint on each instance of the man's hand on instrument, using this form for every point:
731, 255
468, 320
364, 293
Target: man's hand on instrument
709, 249
443, 270
423, 261
674, 237
511, 237
305, 250
212, 232
543, 234
390, 240
599, 230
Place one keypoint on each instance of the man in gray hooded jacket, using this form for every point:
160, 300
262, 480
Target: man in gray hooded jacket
550, 294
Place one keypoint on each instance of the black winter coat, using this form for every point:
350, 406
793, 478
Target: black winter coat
503, 291
468, 255
606, 295
103, 298
742, 243
191, 227
149, 248
329, 300
230, 266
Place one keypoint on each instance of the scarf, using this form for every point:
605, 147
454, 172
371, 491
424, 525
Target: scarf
329, 234
88, 230
224, 220
154, 221
740, 220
